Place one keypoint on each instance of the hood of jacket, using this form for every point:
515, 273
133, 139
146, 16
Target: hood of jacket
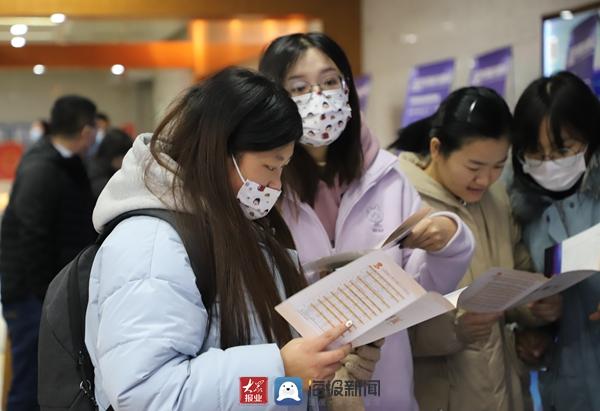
140, 183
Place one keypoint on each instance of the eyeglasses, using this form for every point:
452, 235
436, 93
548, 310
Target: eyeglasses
303, 89
568, 156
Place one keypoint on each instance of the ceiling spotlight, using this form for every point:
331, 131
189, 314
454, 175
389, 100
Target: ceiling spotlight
566, 15
18, 42
58, 18
117, 69
18, 29
410, 38
39, 69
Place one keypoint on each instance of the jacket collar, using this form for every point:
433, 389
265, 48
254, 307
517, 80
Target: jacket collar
413, 166
383, 164
140, 183
529, 202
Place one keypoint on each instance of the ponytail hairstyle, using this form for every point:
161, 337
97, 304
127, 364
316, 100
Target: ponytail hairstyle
467, 113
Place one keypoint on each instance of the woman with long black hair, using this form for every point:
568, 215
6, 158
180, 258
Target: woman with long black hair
163, 335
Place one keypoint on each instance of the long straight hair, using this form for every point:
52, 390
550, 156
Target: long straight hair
232, 112
344, 156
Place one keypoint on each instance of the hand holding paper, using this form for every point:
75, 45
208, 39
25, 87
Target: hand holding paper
548, 309
431, 233
472, 327
400, 234
309, 357
361, 362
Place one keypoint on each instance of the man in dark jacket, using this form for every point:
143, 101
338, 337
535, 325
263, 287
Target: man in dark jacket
48, 220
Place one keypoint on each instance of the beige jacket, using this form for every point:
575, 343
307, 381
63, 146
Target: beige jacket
484, 376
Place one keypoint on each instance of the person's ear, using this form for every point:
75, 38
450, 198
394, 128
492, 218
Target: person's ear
434, 148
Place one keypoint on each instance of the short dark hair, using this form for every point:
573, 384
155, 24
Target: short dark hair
566, 101
70, 114
467, 113
102, 116
115, 144
344, 156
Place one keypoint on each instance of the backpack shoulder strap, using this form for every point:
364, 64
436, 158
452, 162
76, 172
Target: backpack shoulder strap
166, 215
77, 296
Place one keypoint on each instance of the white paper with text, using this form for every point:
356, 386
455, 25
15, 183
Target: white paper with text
372, 291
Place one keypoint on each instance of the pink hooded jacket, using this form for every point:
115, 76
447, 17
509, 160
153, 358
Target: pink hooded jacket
369, 210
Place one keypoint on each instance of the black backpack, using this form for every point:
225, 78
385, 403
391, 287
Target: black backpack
66, 373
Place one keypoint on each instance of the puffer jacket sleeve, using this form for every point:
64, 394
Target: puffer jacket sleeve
152, 323
441, 270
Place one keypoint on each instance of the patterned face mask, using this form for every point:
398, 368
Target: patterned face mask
255, 199
324, 116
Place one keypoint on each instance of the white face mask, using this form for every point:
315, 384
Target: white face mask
557, 175
324, 116
35, 133
100, 133
255, 199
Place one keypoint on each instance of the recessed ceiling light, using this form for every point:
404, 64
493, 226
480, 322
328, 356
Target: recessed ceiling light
58, 18
18, 29
410, 38
39, 69
18, 42
117, 69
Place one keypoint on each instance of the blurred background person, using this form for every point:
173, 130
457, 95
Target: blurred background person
103, 124
48, 220
108, 158
39, 128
